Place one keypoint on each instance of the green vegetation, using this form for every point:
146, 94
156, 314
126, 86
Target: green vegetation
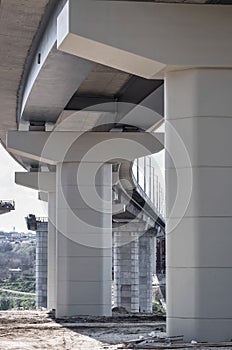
18, 284
9, 301
20, 258
157, 308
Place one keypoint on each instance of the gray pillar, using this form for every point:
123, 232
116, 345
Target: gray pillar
51, 304
41, 263
154, 255
146, 254
199, 204
126, 270
84, 239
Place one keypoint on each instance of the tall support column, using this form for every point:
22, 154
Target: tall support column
41, 263
199, 239
126, 270
146, 254
51, 250
84, 239
154, 255
83, 208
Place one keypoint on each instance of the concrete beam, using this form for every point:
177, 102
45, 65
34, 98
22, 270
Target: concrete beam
4, 211
44, 182
158, 37
46, 68
43, 196
67, 146
118, 208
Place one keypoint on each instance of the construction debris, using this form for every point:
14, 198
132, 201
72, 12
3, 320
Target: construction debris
182, 346
153, 340
174, 342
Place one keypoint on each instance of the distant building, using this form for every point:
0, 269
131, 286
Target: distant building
14, 272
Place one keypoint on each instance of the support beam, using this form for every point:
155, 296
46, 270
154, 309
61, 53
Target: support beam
68, 146
43, 196
159, 37
44, 182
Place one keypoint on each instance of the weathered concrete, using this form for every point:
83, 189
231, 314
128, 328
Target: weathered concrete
146, 254
41, 263
51, 302
126, 270
133, 250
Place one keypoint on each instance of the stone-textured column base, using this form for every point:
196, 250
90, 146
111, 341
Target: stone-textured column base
51, 304
41, 263
126, 270
146, 254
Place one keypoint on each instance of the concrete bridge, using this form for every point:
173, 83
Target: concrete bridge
83, 89
6, 206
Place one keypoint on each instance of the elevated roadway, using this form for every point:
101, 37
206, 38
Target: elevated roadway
6, 206
82, 93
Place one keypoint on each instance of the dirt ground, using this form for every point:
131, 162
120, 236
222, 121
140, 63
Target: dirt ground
28, 330
37, 329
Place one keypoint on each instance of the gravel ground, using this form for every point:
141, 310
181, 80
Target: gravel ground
37, 329
28, 330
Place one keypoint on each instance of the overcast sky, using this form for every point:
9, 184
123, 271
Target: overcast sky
26, 201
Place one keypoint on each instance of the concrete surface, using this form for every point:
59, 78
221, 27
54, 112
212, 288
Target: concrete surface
19, 21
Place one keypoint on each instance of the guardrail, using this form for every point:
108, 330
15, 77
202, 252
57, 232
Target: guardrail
42, 219
131, 187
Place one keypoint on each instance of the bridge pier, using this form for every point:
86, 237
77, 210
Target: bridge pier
83, 208
198, 175
46, 183
133, 267
51, 250
84, 239
146, 254
126, 270
41, 263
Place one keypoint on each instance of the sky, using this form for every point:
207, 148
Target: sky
26, 201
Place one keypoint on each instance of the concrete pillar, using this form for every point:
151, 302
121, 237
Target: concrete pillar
126, 270
199, 239
154, 255
51, 250
41, 263
83, 207
146, 254
84, 239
